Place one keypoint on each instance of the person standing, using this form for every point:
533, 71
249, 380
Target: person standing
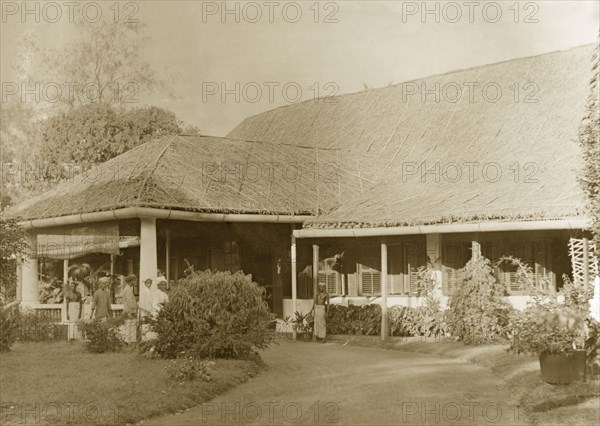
73, 308
129, 310
160, 297
101, 301
145, 303
321, 310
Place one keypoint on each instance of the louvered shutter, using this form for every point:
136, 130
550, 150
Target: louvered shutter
370, 278
331, 281
411, 265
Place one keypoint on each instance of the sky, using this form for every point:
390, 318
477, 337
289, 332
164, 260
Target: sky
274, 53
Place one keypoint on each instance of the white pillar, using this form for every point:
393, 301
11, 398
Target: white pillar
384, 291
434, 253
315, 268
294, 282
29, 273
148, 252
65, 271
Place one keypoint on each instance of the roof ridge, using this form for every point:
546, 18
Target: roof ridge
167, 146
458, 70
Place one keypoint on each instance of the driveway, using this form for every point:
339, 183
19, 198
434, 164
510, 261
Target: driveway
311, 383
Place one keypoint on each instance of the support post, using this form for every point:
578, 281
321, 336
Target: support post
148, 252
168, 257
586, 264
294, 282
315, 274
66, 271
475, 250
384, 290
29, 273
112, 265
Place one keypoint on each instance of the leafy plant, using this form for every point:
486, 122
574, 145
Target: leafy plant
33, 327
556, 323
477, 312
13, 243
301, 322
9, 327
102, 336
214, 314
189, 368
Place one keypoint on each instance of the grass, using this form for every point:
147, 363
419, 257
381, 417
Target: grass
537, 399
72, 386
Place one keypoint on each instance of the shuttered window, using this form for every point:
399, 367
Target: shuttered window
411, 265
536, 255
370, 277
331, 279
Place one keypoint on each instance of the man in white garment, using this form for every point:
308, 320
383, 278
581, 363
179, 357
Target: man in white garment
159, 297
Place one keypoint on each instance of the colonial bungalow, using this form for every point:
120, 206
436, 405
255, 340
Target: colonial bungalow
483, 160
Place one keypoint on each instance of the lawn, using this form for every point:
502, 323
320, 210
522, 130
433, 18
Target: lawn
60, 383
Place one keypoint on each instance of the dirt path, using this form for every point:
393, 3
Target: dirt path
309, 383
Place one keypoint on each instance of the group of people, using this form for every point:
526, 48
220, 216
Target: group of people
150, 301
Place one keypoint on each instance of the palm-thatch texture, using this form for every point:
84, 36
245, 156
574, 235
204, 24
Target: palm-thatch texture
529, 135
209, 174
590, 143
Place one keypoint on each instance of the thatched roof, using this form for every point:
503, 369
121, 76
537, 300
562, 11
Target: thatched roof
210, 174
537, 138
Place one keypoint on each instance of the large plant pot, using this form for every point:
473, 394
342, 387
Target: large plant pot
562, 369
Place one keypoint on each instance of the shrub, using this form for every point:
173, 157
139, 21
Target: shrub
36, 328
477, 313
216, 314
9, 327
354, 319
101, 336
189, 368
419, 321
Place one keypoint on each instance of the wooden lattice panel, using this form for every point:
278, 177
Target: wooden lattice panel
577, 260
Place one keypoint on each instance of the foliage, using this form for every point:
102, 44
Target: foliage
92, 134
102, 336
354, 319
189, 368
34, 327
554, 322
589, 139
477, 312
107, 55
214, 314
9, 327
13, 243
301, 323
417, 321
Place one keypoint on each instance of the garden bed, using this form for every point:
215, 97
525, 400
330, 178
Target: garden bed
61, 383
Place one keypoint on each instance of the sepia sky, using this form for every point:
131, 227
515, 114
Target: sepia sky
373, 43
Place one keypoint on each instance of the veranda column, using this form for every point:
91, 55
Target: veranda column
434, 253
315, 268
66, 271
475, 250
148, 252
384, 291
294, 282
29, 273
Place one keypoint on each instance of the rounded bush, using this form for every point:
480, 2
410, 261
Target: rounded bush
214, 314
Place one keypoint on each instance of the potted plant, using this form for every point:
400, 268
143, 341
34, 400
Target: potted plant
301, 325
555, 326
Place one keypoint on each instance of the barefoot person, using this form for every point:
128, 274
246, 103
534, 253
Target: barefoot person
130, 310
321, 309
101, 301
73, 307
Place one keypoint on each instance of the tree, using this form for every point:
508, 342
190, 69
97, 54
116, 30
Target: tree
589, 138
13, 244
102, 64
94, 133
